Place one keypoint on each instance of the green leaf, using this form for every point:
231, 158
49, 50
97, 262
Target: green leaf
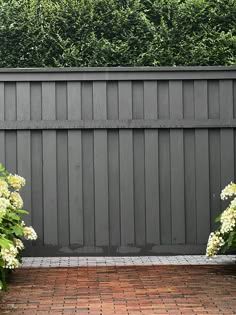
22, 211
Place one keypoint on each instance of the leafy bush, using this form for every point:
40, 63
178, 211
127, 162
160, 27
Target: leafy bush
65, 33
224, 237
12, 228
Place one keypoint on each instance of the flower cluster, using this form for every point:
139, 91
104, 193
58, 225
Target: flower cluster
29, 233
226, 233
228, 220
16, 181
12, 227
215, 242
9, 257
228, 192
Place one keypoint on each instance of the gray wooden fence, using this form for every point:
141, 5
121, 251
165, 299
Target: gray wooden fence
120, 160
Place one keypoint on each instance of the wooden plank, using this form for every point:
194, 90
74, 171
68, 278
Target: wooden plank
2, 133
226, 136
214, 152
126, 166
100, 166
177, 165
62, 167
117, 73
139, 166
113, 166
24, 145
88, 167
36, 161
118, 124
202, 164
189, 166
75, 166
49, 166
151, 166
10, 137
164, 165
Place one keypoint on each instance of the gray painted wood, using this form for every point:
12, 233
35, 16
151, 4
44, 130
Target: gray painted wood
10, 137
177, 165
100, 166
2, 133
88, 166
126, 166
75, 166
113, 166
36, 161
62, 167
226, 136
24, 144
151, 166
214, 152
139, 166
50, 205
189, 166
202, 164
120, 167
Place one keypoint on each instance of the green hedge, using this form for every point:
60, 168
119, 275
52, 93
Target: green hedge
62, 33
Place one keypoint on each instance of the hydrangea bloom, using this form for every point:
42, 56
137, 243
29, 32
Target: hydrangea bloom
16, 200
228, 191
215, 242
228, 220
4, 192
16, 181
29, 233
4, 204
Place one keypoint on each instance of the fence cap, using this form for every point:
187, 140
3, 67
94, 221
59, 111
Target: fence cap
119, 69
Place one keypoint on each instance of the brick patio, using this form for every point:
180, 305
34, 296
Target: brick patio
145, 289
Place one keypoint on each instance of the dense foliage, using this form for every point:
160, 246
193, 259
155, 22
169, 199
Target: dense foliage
224, 237
12, 227
55, 33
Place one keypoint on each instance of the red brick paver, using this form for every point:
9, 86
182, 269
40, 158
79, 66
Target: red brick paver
122, 290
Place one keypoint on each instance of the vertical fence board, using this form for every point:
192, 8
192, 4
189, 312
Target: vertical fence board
202, 163
177, 165
164, 165
151, 166
214, 151
62, 167
100, 166
139, 163
126, 166
49, 166
36, 161
10, 136
24, 144
226, 136
88, 166
113, 166
2, 133
75, 166
189, 164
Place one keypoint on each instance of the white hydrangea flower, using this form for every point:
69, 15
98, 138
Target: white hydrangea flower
215, 242
233, 203
18, 243
16, 200
29, 233
228, 220
4, 192
16, 181
4, 204
9, 257
228, 191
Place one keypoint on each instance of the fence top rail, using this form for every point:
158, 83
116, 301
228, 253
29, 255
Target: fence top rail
119, 69
117, 73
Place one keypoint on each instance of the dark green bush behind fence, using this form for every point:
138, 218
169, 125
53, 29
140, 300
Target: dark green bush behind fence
38, 33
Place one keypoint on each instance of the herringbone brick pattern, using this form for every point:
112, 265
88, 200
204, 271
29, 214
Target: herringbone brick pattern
122, 290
